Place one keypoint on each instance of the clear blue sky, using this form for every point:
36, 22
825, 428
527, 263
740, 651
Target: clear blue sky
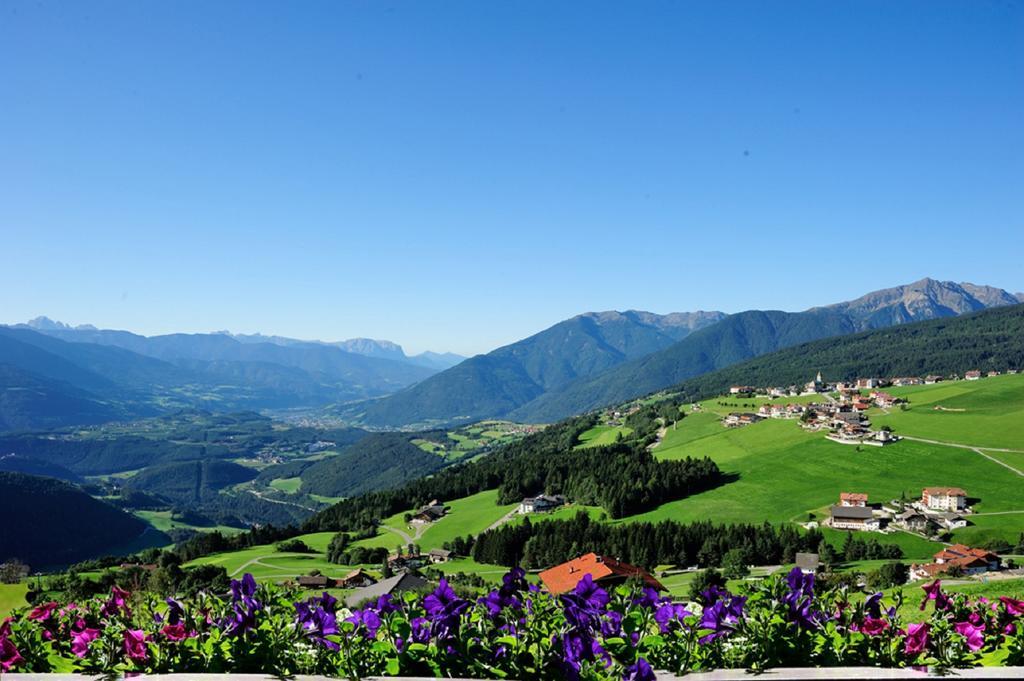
456, 176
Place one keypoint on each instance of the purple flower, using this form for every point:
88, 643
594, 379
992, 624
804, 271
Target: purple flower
384, 604
9, 655
873, 605
1013, 606
135, 645
174, 632
800, 599
973, 634
80, 641
367, 619
244, 606
420, 630
641, 671
117, 603
872, 626
933, 592
244, 590
440, 597
669, 614
591, 593
721, 617
916, 640
611, 624
41, 613
175, 611
649, 598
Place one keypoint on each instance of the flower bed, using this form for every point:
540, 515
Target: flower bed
515, 631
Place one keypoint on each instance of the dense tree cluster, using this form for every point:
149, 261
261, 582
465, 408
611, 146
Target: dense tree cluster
549, 542
455, 482
623, 478
214, 542
855, 548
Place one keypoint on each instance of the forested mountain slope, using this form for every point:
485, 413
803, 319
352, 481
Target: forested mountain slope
502, 380
47, 522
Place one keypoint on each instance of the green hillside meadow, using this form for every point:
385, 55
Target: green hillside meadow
782, 474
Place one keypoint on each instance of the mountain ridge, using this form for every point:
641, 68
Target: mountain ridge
730, 339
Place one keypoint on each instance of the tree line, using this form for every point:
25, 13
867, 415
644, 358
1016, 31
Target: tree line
704, 544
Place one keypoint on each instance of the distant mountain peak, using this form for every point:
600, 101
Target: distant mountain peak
43, 323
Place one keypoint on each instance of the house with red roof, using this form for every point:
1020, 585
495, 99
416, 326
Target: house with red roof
969, 561
853, 499
603, 570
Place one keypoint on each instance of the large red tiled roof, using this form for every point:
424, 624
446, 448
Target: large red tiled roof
564, 577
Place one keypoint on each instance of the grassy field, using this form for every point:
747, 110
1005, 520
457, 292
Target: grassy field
471, 515
602, 435
288, 485
162, 521
985, 413
12, 596
782, 473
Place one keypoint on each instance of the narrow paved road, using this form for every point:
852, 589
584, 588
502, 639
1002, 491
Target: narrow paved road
976, 450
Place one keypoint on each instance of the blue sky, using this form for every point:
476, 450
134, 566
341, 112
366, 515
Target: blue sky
456, 176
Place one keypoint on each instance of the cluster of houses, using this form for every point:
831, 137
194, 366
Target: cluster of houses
819, 385
958, 558
940, 508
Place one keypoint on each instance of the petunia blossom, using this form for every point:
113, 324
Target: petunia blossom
916, 640
973, 634
135, 645
80, 640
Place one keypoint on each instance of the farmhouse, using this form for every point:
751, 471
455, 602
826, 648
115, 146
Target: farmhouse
913, 521
315, 582
951, 521
868, 383
737, 419
439, 555
742, 389
390, 586
853, 518
932, 380
883, 399
907, 380
356, 579
808, 562
972, 375
429, 513
944, 498
603, 570
853, 499
541, 503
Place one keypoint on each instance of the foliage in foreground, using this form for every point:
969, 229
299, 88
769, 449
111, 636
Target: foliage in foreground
514, 631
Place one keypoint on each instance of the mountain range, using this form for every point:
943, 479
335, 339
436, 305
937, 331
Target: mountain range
54, 375
598, 359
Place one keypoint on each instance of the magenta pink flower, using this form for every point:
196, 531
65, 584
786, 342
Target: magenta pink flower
135, 645
80, 640
9, 656
1010, 629
117, 603
174, 632
974, 634
873, 626
1013, 606
916, 640
41, 613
